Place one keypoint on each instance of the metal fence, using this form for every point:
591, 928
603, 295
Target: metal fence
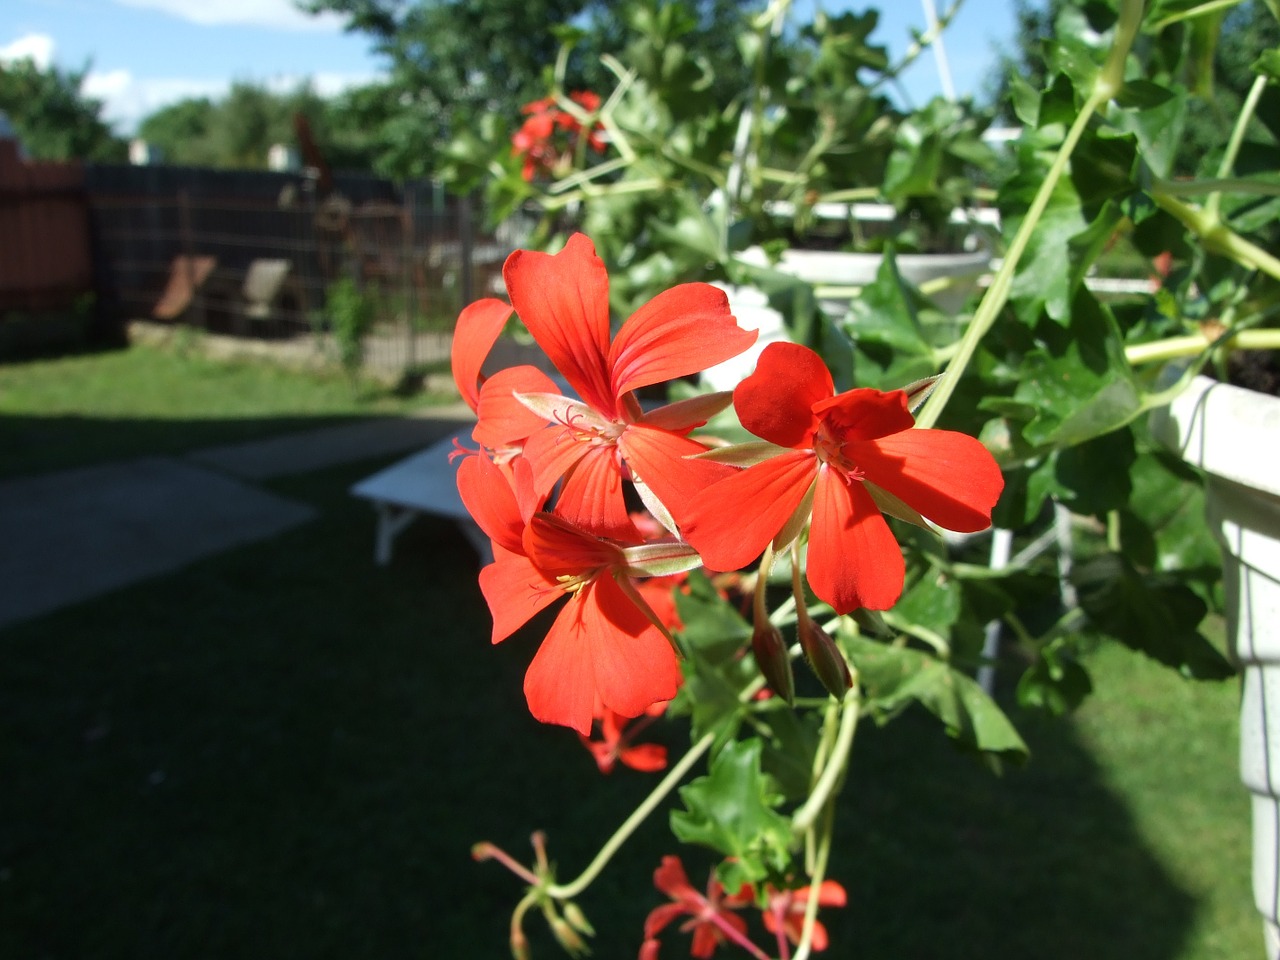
256, 256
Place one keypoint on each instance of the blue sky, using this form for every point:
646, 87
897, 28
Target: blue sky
143, 54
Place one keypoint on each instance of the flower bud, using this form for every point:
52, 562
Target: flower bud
825, 658
577, 919
771, 656
568, 937
519, 945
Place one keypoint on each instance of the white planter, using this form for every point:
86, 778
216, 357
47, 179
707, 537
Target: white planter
1232, 434
844, 273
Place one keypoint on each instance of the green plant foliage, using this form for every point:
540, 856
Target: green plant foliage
895, 677
733, 810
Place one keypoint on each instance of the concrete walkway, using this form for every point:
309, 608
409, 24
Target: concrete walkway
72, 535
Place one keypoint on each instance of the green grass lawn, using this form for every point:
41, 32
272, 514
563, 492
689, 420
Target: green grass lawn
286, 751
76, 410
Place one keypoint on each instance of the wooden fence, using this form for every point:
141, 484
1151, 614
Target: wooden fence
250, 254
45, 259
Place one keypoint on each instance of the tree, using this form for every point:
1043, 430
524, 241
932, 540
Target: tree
53, 117
453, 61
180, 131
239, 129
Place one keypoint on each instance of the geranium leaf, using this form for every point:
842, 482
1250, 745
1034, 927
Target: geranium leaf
732, 810
1152, 613
1078, 380
715, 672
894, 677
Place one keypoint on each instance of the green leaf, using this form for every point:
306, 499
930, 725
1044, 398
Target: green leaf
1093, 477
715, 671
732, 810
1155, 115
1055, 682
1078, 380
1152, 613
1163, 527
893, 677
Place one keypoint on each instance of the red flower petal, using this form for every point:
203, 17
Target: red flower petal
553, 453
732, 522
591, 495
679, 332
854, 561
487, 494
561, 549
515, 590
564, 301
502, 419
948, 477
635, 666
659, 918
661, 460
559, 685
865, 414
478, 327
671, 879
599, 645
776, 401
645, 757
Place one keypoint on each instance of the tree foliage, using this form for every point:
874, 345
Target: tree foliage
239, 129
453, 61
53, 117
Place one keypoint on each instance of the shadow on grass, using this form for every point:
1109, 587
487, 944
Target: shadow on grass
286, 751
34, 444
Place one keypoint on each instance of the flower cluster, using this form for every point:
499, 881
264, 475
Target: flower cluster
714, 918
549, 135
550, 480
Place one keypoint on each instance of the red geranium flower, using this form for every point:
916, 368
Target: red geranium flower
711, 917
536, 140
615, 744
604, 647
841, 460
784, 914
605, 438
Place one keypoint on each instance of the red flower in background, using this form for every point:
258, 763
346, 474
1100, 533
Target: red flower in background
604, 438
841, 460
711, 917
536, 139
784, 914
615, 744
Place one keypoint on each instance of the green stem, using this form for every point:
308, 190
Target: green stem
998, 292
1108, 83
816, 877
1204, 8
1213, 205
1218, 237
836, 762
567, 891
1192, 344
1196, 188
921, 45
1113, 531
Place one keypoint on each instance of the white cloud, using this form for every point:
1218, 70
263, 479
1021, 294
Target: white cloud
37, 47
276, 14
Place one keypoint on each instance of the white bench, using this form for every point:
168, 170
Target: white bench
423, 483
